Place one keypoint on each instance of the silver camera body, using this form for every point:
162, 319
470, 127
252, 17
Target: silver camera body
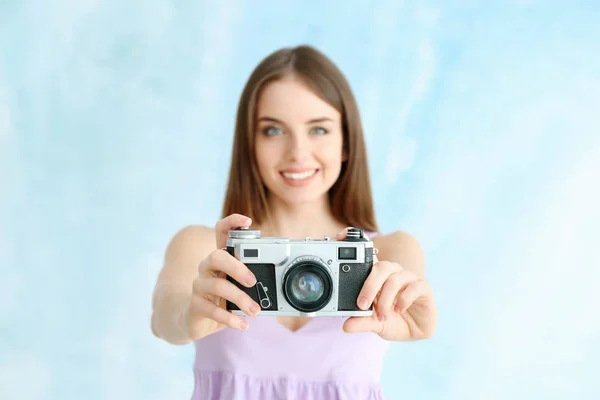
309, 278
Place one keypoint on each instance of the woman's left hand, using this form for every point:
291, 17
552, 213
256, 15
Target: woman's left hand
403, 306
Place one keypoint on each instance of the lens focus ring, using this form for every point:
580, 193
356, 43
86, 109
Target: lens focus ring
307, 284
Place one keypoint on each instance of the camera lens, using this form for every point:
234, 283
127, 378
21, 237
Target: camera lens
307, 287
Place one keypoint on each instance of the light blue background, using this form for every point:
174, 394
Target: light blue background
483, 129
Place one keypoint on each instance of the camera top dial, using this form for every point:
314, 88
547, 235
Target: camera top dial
244, 233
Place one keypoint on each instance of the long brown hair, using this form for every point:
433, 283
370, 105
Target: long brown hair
350, 197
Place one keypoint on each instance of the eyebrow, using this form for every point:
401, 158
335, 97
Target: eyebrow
311, 121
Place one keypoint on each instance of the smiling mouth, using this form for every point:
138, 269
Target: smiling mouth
299, 176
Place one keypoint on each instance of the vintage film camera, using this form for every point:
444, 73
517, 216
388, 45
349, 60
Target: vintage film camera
309, 277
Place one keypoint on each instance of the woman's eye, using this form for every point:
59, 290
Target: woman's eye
272, 131
319, 131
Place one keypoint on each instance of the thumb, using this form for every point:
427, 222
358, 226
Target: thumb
223, 227
341, 235
362, 324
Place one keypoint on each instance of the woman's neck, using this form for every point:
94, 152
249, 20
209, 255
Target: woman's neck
297, 221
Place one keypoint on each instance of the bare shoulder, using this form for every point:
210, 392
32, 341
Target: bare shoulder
403, 248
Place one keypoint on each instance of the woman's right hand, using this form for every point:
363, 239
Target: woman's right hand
206, 313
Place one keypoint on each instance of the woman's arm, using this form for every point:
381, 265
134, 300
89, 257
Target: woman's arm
173, 289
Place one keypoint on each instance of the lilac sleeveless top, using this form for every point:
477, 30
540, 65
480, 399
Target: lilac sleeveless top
268, 361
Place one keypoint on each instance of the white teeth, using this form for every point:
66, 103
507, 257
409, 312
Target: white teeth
300, 175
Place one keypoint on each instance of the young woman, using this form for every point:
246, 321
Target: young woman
299, 168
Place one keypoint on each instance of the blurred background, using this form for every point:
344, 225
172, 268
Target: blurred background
483, 129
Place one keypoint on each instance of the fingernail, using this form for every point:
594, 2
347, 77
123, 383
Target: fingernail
243, 324
254, 308
363, 303
248, 220
251, 280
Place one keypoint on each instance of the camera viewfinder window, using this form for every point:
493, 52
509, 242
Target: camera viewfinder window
250, 253
347, 253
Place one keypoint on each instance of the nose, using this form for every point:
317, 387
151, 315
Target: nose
299, 147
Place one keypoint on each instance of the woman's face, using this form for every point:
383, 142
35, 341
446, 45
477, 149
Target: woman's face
299, 142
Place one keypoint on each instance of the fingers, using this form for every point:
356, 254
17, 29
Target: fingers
396, 283
208, 284
362, 324
341, 235
222, 261
374, 282
409, 295
224, 289
344, 232
213, 312
223, 227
